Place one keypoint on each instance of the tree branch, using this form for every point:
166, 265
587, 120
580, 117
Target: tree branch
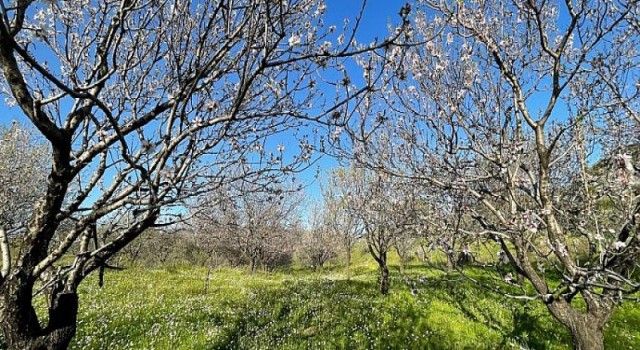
6, 254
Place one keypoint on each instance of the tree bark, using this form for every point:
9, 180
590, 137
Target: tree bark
587, 329
5, 251
381, 259
451, 261
348, 267
384, 279
252, 265
587, 335
19, 321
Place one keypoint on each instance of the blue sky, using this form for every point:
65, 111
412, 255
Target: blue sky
377, 15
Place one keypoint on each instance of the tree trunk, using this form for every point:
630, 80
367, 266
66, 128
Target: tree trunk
348, 263
5, 251
207, 281
384, 278
252, 265
451, 261
586, 336
587, 329
19, 322
425, 255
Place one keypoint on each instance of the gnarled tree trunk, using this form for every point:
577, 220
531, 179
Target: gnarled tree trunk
587, 335
19, 322
587, 328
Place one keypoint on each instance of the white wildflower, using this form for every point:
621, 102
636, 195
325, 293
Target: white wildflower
619, 245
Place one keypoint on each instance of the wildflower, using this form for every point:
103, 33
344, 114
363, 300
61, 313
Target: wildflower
619, 245
508, 277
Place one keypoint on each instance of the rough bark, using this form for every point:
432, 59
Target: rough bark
587, 328
19, 322
384, 279
587, 335
6, 255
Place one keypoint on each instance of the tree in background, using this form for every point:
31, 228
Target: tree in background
512, 103
23, 173
341, 218
386, 210
318, 242
247, 225
146, 104
441, 227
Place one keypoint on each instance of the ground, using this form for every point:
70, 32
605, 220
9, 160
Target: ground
174, 308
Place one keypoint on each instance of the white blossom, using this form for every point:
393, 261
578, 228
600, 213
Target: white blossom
294, 40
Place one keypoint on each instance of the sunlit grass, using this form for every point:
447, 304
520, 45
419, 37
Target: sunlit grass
296, 309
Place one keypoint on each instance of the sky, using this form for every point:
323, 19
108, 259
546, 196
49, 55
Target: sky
374, 24
377, 16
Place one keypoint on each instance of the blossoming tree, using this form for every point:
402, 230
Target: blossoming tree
531, 109
146, 104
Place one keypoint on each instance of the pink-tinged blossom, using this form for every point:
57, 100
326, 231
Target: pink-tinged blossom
294, 39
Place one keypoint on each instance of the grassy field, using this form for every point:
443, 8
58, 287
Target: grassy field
169, 308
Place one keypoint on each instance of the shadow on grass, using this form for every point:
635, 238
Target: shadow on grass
341, 314
526, 323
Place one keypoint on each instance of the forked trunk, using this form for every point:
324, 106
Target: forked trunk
425, 255
587, 329
19, 322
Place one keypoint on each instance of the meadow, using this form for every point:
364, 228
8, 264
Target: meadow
185, 307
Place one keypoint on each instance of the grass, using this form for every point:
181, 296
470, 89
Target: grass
173, 308
296, 309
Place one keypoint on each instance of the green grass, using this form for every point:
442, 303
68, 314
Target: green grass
296, 309
169, 308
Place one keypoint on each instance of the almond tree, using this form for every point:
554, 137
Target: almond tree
144, 104
386, 211
317, 242
248, 224
342, 219
441, 227
23, 172
512, 103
